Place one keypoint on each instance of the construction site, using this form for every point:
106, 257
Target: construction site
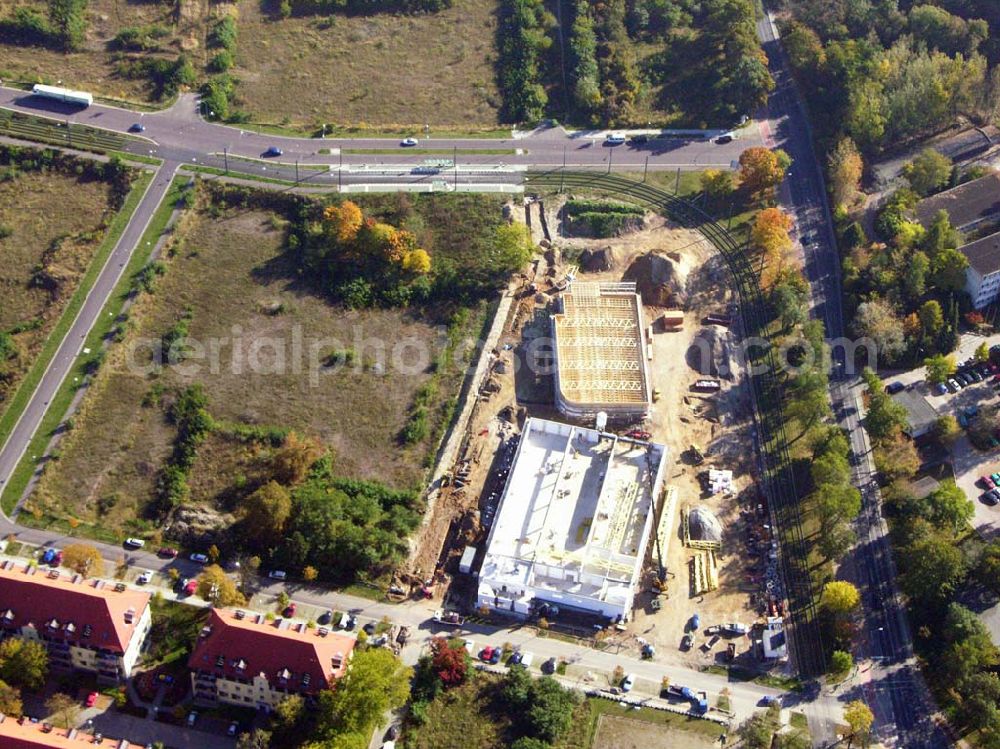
610, 357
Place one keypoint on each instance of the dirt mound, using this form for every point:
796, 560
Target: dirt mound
656, 277
599, 260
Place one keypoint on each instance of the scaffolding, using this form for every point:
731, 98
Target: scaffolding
599, 349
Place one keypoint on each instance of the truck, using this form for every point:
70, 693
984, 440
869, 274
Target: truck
451, 618
697, 456
65, 95
707, 385
698, 700
735, 628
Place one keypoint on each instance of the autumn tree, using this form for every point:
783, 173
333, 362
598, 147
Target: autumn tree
83, 559
897, 457
10, 701
717, 183
878, 320
376, 682
23, 663
840, 597
982, 352
929, 172
343, 221
292, 461
450, 661
948, 269
845, 168
265, 513
417, 261
762, 169
946, 429
63, 709
860, 718
769, 234
931, 317
216, 586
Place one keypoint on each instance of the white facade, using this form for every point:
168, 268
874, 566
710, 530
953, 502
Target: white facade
574, 522
983, 289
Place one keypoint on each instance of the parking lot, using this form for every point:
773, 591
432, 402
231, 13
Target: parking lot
968, 462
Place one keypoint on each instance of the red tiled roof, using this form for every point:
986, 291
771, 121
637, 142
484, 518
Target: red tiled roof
251, 645
27, 735
89, 612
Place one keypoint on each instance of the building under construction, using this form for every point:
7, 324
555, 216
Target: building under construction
574, 522
601, 352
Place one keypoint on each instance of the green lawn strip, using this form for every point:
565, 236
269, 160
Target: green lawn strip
387, 131
136, 157
240, 175
34, 375
47, 130
735, 673
798, 720
431, 151
106, 320
274, 162
666, 718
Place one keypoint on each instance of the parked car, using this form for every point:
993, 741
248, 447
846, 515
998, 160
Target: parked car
628, 682
137, 127
549, 666
191, 587
614, 139
695, 622
639, 434
768, 700
199, 558
490, 654
325, 617
713, 630
289, 611
995, 478
989, 497
724, 138
48, 556
894, 387
687, 642
409, 142
940, 388
233, 728
953, 385
277, 574
167, 552
988, 482
91, 699
144, 578
975, 375
58, 559
134, 543
639, 140
192, 717
273, 151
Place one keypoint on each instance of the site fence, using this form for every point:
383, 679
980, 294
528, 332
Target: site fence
776, 467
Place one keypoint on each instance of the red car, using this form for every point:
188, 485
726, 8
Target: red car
167, 552
91, 699
289, 611
58, 559
191, 587
639, 434
987, 482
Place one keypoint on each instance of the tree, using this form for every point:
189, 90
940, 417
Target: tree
717, 183
940, 235
756, 731
417, 261
288, 719
10, 701
83, 559
551, 709
845, 167
840, 597
933, 567
840, 663
982, 352
516, 688
216, 586
948, 270
762, 169
265, 513
292, 461
510, 248
885, 417
859, 717
987, 570
23, 663
931, 317
929, 172
530, 742
837, 539
896, 457
376, 682
69, 20
939, 368
256, 739
981, 694
63, 709
877, 319
788, 301
915, 275
450, 661
343, 221
948, 507
769, 234
309, 573
946, 430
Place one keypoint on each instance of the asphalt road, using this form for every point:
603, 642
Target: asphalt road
70, 348
889, 680
179, 134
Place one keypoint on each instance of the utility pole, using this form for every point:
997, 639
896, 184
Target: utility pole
611, 152
296, 170
729, 223
455, 161
677, 185
645, 169
562, 176
340, 172
225, 155
69, 134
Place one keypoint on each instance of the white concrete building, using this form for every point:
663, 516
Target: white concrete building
573, 523
982, 277
86, 625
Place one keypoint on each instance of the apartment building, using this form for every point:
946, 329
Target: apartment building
243, 659
86, 625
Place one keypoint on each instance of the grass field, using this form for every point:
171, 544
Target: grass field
246, 301
55, 224
94, 68
384, 69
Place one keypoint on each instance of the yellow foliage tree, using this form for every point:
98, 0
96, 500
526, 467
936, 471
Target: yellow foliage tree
343, 221
761, 168
417, 261
840, 597
83, 559
770, 235
294, 458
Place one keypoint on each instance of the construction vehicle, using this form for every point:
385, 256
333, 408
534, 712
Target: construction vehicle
699, 701
697, 456
450, 618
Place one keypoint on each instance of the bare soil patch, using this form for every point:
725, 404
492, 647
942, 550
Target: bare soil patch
614, 732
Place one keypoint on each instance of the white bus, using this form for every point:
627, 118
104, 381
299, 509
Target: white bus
81, 98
